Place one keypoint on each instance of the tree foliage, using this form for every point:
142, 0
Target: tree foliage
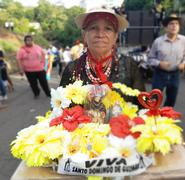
147, 4
56, 22
138, 4
70, 32
179, 6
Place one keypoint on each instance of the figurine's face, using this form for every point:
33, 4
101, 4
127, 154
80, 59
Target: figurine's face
97, 99
97, 116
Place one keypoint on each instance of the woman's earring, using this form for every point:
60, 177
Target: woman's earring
85, 44
114, 48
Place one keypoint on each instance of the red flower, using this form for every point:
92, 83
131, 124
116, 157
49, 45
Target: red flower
55, 122
170, 112
138, 120
71, 118
153, 112
120, 126
84, 119
70, 125
136, 134
165, 111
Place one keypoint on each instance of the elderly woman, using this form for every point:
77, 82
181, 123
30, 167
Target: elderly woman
99, 64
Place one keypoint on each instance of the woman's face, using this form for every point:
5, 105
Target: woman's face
28, 42
100, 37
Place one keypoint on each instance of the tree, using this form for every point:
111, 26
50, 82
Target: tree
138, 4
29, 13
71, 33
147, 4
57, 22
5, 3
168, 5
179, 6
15, 10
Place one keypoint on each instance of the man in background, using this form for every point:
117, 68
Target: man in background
77, 50
167, 55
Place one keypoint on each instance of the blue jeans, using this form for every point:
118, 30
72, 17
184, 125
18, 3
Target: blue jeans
170, 81
2, 88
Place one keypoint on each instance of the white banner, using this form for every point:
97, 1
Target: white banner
109, 167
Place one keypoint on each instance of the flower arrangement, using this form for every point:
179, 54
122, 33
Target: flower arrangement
90, 122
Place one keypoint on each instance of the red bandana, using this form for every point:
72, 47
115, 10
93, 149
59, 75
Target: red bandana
99, 68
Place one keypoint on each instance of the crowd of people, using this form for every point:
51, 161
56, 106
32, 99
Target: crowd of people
60, 57
96, 61
36, 63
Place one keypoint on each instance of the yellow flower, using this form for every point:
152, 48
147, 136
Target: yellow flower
18, 145
129, 110
96, 145
126, 90
75, 144
95, 178
43, 118
111, 98
39, 145
76, 92
126, 151
157, 138
89, 139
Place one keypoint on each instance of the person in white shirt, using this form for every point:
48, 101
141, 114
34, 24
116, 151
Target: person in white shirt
67, 55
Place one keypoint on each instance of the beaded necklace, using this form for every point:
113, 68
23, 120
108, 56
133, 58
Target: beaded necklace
84, 67
89, 69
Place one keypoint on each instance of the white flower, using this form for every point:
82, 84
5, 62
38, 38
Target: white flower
56, 112
58, 99
117, 142
110, 152
78, 83
79, 157
44, 123
126, 147
129, 104
142, 114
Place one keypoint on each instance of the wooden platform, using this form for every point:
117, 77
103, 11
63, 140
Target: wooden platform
171, 166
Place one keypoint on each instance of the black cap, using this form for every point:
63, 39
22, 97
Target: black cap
172, 17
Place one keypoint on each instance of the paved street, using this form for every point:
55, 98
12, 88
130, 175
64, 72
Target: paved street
22, 109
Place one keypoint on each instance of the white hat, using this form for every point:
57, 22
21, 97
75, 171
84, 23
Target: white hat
122, 22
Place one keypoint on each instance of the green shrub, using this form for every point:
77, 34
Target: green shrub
39, 39
7, 46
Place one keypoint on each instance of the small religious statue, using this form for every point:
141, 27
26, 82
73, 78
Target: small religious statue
116, 109
94, 106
